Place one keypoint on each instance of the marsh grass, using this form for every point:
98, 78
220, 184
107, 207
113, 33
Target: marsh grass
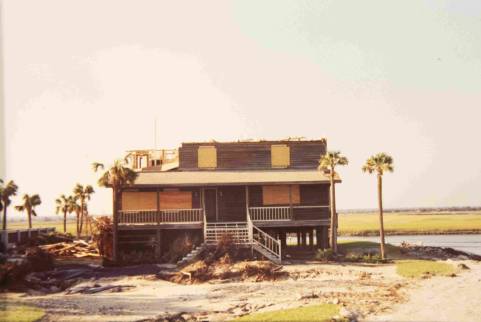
367, 224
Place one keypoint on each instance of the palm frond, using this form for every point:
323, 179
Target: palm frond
96, 166
379, 163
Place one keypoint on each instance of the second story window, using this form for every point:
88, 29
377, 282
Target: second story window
207, 157
280, 156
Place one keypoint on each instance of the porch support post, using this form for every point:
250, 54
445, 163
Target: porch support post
311, 238
298, 238
325, 237
304, 238
158, 245
318, 237
291, 210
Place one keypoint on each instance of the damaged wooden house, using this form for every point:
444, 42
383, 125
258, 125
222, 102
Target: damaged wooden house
265, 195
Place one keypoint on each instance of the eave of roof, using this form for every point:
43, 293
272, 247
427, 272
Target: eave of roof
216, 178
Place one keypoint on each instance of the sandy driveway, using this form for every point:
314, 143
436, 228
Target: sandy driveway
442, 299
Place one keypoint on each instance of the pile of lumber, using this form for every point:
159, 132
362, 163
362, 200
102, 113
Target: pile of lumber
77, 248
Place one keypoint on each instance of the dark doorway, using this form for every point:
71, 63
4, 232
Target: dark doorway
210, 202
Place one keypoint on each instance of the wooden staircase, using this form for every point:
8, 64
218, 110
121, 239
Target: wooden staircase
244, 234
192, 255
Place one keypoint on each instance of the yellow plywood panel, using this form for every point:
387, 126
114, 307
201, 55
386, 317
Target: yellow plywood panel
175, 200
280, 156
207, 157
279, 195
139, 200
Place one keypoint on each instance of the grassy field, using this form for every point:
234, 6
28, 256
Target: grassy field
420, 268
410, 223
43, 224
317, 313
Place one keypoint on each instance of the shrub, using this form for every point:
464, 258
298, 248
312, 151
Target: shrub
325, 254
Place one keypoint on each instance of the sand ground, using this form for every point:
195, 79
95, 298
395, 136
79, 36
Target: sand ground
442, 299
377, 293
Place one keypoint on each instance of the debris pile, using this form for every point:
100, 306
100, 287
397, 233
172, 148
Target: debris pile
224, 262
34, 260
55, 280
436, 252
77, 248
97, 288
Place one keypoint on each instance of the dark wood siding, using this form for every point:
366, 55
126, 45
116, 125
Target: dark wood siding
314, 194
255, 196
310, 213
232, 204
254, 155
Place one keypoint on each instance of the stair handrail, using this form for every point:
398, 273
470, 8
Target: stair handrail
267, 242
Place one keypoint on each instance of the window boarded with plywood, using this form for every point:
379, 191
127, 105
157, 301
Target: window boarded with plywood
280, 195
207, 157
139, 200
280, 156
175, 199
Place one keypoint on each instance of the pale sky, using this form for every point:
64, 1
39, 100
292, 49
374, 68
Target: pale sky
84, 81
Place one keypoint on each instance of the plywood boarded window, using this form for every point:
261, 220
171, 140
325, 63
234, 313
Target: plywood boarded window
280, 195
280, 156
139, 200
175, 199
207, 157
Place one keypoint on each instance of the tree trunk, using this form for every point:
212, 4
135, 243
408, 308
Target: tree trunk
114, 228
78, 224
381, 221
333, 236
64, 222
81, 216
4, 223
29, 214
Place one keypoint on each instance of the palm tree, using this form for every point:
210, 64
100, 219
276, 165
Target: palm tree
379, 164
328, 164
63, 205
29, 204
117, 176
82, 194
7, 191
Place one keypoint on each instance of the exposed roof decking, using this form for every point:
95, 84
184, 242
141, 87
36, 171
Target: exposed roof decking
215, 178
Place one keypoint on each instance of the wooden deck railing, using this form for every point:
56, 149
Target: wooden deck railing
277, 213
165, 216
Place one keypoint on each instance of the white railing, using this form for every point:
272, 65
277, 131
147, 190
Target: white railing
11, 237
270, 213
161, 217
281, 213
238, 231
262, 239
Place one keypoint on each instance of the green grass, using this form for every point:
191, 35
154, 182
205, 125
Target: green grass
316, 313
20, 313
349, 247
410, 223
420, 268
